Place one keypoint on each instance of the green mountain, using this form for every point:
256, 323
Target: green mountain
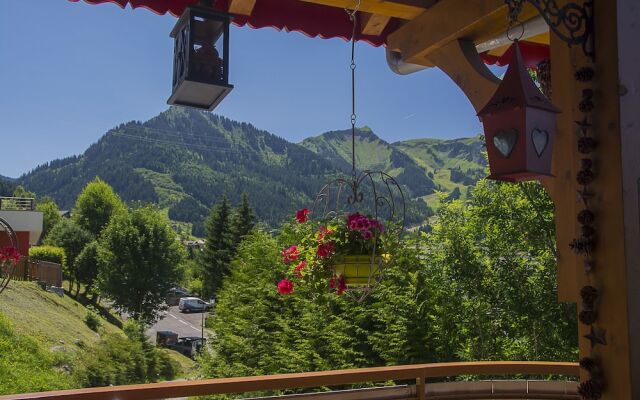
424, 166
453, 164
185, 160
7, 186
372, 153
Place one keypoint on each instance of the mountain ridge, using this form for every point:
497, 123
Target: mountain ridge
185, 160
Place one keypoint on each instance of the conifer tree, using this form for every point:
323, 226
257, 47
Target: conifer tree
218, 247
243, 220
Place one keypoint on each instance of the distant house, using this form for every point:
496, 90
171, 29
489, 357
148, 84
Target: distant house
20, 213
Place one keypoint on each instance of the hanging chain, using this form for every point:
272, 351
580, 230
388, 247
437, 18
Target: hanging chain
353, 17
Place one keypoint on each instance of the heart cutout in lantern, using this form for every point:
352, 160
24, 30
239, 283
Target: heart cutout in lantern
505, 141
540, 140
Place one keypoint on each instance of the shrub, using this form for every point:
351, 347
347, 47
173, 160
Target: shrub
48, 253
121, 360
92, 319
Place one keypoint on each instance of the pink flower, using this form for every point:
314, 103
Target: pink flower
302, 215
10, 254
299, 269
290, 254
366, 235
285, 287
324, 250
342, 286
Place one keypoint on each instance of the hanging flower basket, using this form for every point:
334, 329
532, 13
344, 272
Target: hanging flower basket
358, 270
344, 245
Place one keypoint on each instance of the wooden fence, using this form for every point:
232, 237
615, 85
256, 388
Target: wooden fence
39, 271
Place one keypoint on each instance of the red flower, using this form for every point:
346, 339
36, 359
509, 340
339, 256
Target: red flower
10, 254
290, 254
302, 215
285, 286
299, 269
342, 286
324, 250
366, 235
332, 281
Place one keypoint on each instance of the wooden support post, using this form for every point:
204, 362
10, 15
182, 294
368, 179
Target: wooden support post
421, 387
616, 189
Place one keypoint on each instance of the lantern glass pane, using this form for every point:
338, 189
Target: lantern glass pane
540, 140
207, 63
505, 141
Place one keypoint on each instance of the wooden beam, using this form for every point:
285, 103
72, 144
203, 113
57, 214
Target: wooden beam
242, 7
373, 24
404, 9
443, 23
448, 20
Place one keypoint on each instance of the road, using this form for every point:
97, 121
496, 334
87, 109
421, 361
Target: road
183, 324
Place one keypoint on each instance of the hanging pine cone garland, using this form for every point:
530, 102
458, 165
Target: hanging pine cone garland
589, 294
588, 317
584, 74
585, 177
586, 217
586, 145
582, 246
588, 364
591, 389
588, 231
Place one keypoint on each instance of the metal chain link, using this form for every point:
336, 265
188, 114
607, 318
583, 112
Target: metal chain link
353, 17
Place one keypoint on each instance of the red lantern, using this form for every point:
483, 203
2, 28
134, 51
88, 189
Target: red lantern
519, 126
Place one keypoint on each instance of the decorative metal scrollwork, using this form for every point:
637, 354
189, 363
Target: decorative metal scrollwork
573, 23
7, 268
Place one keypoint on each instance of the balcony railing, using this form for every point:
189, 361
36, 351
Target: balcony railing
470, 390
17, 204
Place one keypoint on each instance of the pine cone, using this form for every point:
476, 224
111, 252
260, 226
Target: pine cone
585, 177
588, 364
586, 217
589, 294
586, 105
588, 317
591, 389
582, 246
586, 145
584, 74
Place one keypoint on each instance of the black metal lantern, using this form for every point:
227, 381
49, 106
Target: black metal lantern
201, 58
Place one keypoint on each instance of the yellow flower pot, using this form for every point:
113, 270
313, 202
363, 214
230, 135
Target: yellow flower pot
358, 270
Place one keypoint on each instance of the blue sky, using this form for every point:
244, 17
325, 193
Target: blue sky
71, 71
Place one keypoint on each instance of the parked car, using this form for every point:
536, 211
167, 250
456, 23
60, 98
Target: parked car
175, 294
188, 346
188, 304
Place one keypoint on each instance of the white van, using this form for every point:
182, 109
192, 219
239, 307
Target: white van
188, 304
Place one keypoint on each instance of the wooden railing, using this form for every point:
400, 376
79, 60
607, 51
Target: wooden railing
419, 373
40, 271
17, 204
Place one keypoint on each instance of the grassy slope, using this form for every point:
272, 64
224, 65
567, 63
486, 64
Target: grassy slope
40, 332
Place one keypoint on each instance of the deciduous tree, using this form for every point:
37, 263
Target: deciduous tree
96, 205
139, 261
